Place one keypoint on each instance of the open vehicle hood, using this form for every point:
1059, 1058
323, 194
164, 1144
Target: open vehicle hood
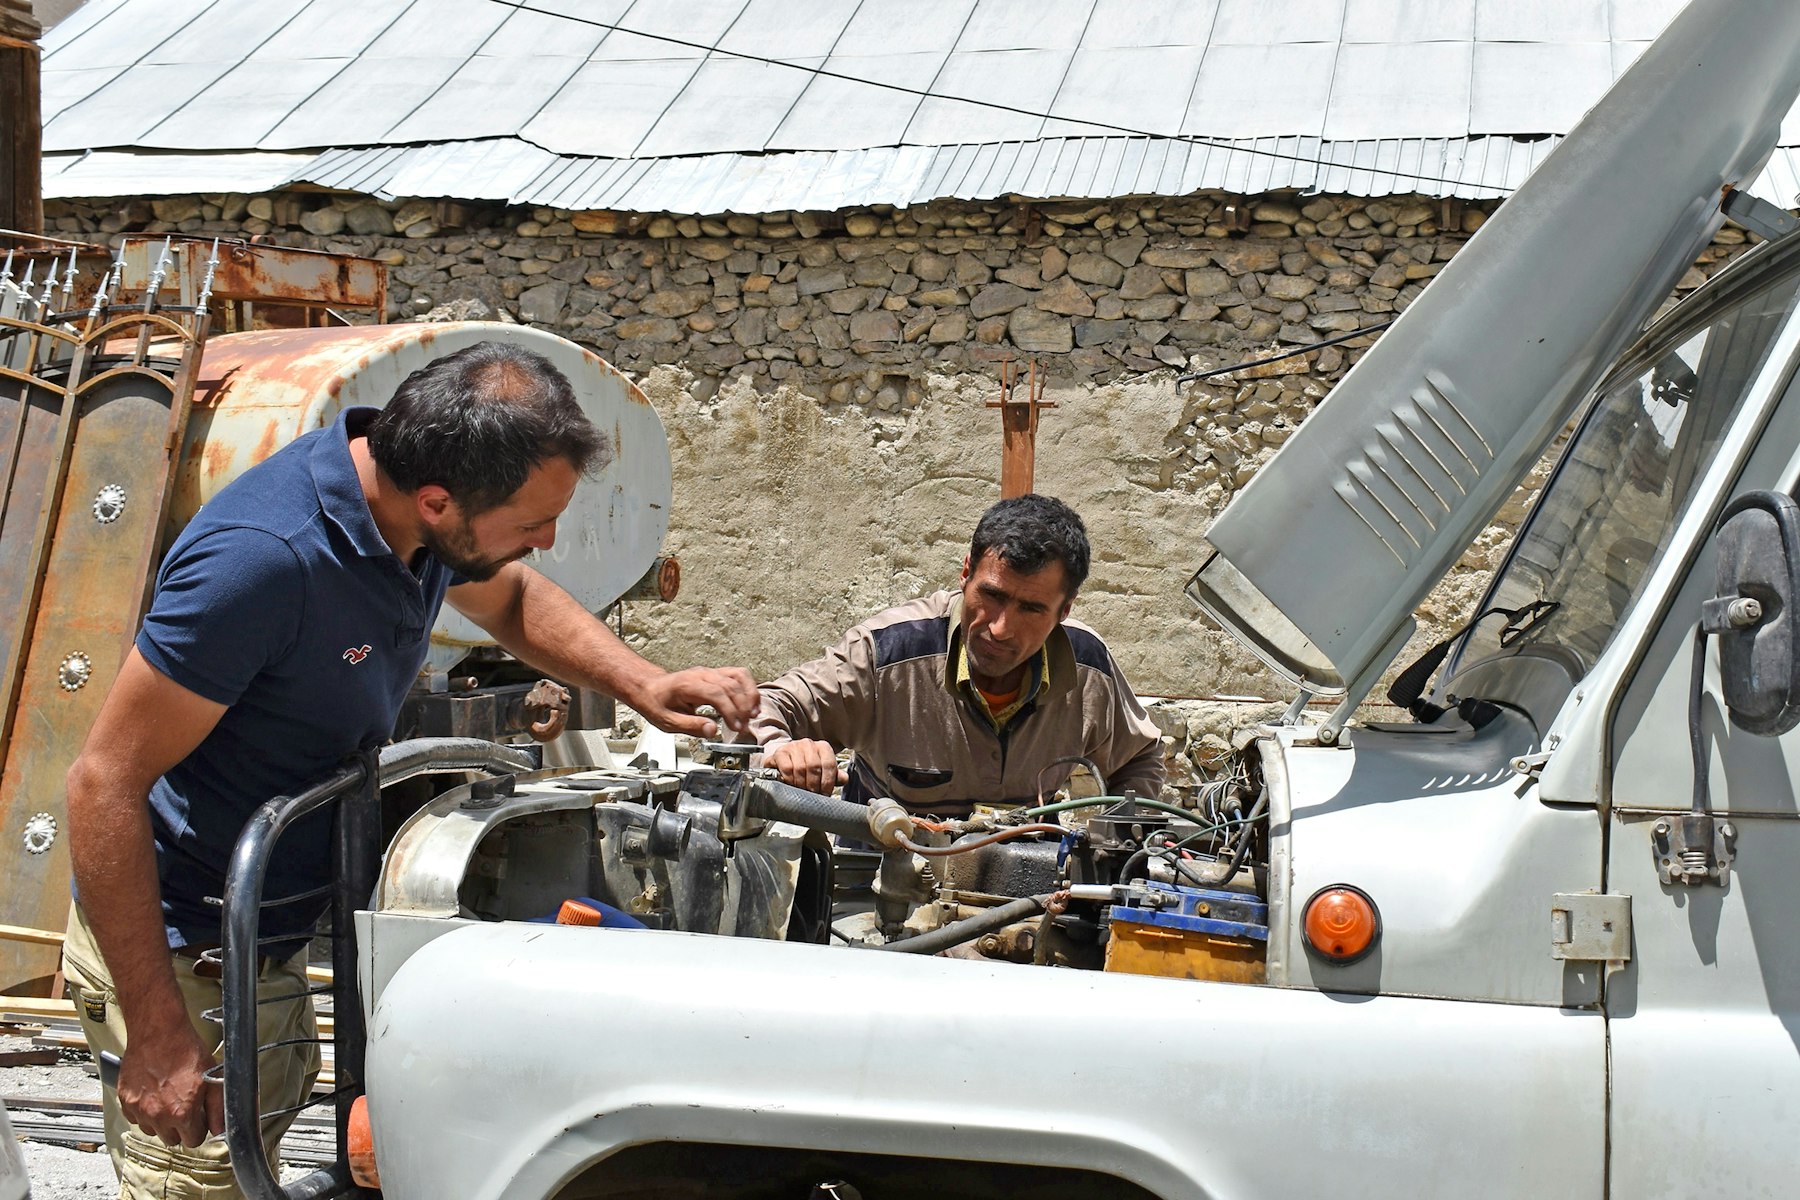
1321, 559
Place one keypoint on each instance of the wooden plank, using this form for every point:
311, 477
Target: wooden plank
34, 1006
29, 1058
40, 937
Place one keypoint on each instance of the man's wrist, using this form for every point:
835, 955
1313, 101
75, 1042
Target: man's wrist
156, 1016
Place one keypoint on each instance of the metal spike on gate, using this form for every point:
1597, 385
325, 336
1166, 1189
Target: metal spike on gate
157, 276
108, 282
212, 265
69, 273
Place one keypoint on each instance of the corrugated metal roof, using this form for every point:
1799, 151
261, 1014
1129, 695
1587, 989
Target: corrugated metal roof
509, 100
508, 170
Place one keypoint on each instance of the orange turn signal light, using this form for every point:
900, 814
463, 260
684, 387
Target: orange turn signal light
360, 1146
1341, 923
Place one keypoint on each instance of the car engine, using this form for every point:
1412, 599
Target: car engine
1120, 883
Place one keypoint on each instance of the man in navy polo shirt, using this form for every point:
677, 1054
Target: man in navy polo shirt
289, 621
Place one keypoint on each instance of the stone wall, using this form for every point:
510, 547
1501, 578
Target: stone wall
823, 378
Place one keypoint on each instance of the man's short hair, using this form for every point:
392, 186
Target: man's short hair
1030, 532
477, 421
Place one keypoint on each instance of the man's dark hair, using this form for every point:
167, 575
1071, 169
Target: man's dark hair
1030, 532
476, 422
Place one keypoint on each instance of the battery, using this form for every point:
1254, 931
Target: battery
1194, 933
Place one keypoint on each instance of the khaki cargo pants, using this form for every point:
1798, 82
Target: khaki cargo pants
148, 1168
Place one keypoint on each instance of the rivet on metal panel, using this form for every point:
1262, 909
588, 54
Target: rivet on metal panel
109, 505
74, 671
40, 833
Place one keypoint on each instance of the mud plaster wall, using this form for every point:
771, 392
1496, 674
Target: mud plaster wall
822, 382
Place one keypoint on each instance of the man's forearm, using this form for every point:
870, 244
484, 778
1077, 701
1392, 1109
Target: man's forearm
549, 630
114, 863
1144, 774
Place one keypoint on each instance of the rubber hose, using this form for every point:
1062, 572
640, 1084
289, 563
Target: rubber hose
775, 801
970, 928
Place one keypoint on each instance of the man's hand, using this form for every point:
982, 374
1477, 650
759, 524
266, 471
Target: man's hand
807, 764
163, 1089
669, 701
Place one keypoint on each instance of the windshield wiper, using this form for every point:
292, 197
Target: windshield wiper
1409, 687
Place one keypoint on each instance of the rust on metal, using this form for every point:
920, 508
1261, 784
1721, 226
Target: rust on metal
251, 274
1018, 426
661, 582
547, 703
120, 393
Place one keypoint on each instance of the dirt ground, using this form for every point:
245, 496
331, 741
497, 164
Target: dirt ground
57, 1171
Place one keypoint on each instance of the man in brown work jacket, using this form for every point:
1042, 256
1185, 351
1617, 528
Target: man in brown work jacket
980, 695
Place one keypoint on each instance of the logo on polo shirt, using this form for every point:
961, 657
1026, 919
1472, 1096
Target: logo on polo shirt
356, 654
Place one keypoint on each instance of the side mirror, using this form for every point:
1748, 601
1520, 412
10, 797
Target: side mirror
1753, 611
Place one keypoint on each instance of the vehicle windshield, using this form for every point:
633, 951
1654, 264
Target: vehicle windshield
1584, 552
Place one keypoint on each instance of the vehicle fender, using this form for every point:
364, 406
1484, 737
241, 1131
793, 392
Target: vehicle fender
505, 1059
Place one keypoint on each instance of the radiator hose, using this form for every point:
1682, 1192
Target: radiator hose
882, 821
969, 928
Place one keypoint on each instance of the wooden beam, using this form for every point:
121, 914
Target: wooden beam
21, 122
35, 937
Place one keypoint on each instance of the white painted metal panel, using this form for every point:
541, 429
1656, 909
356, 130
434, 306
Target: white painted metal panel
658, 28
732, 104
1409, 20
1463, 881
486, 97
80, 24
439, 29
1026, 25
845, 114
1233, 97
122, 173
1450, 384
789, 29
1541, 20
529, 32
1136, 88
1365, 103
1507, 94
1151, 23
1258, 23
718, 1065
497, 170
1780, 181
122, 110
129, 31
1641, 20
361, 103
1022, 79
925, 26
1626, 53
62, 89
235, 28
255, 95
606, 108
518, 172
330, 29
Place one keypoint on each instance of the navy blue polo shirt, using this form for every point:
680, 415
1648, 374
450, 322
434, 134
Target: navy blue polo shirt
281, 601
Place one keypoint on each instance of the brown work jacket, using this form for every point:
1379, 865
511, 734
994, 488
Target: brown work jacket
888, 692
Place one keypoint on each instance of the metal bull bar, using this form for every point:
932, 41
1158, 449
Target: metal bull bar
356, 859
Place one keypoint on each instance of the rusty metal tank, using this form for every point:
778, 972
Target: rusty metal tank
259, 391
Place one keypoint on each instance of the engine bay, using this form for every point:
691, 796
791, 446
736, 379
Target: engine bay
1118, 883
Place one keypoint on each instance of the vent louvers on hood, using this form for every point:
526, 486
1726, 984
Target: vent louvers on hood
1319, 562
